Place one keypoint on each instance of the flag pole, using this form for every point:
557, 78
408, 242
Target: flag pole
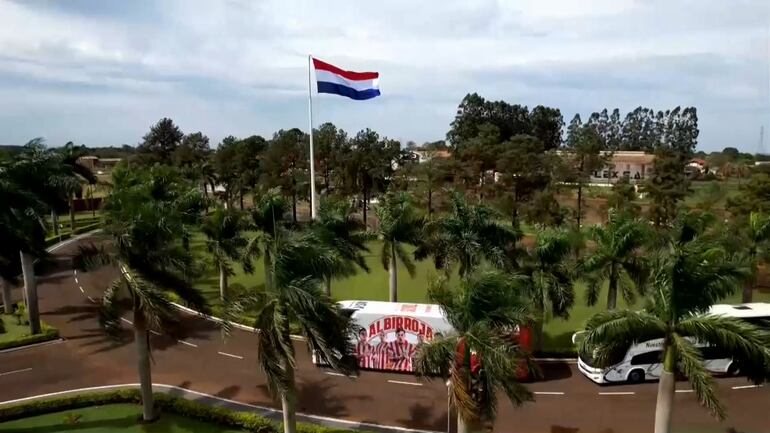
313, 203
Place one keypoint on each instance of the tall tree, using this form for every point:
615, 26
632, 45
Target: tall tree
225, 241
617, 259
547, 124
146, 215
756, 240
666, 187
286, 165
330, 143
479, 357
268, 221
160, 142
467, 236
524, 169
344, 236
399, 223
690, 275
295, 298
226, 166
585, 147
71, 155
550, 277
431, 174
475, 111
622, 198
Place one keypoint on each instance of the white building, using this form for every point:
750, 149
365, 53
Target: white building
634, 165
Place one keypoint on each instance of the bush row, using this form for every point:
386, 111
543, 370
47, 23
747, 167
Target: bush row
48, 333
164, 403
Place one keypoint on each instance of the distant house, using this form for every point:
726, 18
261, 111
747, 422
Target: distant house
424, 155
696, 165
99, 165
636, 166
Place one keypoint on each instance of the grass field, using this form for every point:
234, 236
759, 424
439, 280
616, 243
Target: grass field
111, 418
374, 286
12, 330
81, 219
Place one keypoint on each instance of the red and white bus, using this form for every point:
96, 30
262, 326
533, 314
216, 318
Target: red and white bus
388, 333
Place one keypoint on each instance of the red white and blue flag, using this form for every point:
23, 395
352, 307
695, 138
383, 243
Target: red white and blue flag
354, 85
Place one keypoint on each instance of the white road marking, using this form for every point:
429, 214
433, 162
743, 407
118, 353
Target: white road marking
685, 390
747, 386
230, 355
75, 271
15, 371
154, 332
76, 280
405, 383
618, 393
548, 393
91, 299
81, 289
127, 321
334, 373
187, 343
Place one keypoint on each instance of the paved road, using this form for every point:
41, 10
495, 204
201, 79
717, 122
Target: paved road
197, 358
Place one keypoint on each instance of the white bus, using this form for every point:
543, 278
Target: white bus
643, 361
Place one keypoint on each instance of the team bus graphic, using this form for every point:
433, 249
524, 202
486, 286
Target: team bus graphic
388, 333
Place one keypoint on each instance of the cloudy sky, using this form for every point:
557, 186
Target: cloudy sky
101, 72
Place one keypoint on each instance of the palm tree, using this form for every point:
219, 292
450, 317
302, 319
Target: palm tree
146, 215
70, 158
467, 236
480, 358
226, 243
268, 221
339, 230
41, 174
687, 278
295, 298
616, 259
399, 223
757, 235
550, 277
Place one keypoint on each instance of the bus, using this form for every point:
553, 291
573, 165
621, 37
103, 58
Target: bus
387, 334
644, 361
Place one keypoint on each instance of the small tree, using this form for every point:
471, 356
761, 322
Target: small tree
616, 260
479, 358
399, 223
687, 278
224, 230
757, 239
295, 297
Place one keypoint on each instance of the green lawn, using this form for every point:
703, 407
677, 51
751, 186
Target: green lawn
374, 286
12, 330
111, 418
82, 219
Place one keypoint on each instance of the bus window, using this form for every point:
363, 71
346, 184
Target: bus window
712, 352
653, 357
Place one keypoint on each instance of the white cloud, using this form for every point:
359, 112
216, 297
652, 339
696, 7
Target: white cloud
239, 65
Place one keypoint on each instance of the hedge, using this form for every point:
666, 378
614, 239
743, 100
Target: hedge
163, 402
48, 333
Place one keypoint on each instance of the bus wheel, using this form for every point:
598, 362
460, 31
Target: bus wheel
733, 369
635, 376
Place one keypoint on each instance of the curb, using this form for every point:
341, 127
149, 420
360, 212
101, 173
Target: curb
213, 400
32, 346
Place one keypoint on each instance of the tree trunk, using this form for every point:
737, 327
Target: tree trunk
268, 270
664, 406
7, 301
748, 292
72, 213
294, 207
30, 287
393, 272
366, 199
579, 203
288, 405
612, 293
55, 222
141, 338
328, 285
240, 198
222, 282
205, 189
430, 202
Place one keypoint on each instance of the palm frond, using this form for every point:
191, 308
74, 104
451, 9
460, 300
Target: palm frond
690, 363
435, 358
405, 259
111, 309
613, 330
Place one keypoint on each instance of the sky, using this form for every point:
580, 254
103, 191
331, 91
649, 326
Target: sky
102, 72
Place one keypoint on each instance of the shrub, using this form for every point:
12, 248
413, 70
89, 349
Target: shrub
164, 403
2, 326
48, 333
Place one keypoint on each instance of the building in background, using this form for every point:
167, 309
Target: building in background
634, 165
